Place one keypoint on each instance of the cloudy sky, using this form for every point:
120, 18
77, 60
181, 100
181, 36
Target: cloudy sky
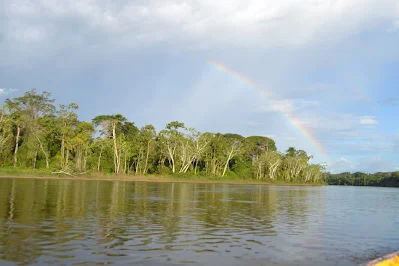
319, 75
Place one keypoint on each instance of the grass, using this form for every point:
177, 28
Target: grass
11, 171
184, 178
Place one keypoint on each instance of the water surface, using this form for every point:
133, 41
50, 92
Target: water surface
77, 222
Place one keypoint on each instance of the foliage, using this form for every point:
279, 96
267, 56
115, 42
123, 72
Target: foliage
36, 135
389, 179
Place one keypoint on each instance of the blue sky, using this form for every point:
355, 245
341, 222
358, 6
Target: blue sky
333, 65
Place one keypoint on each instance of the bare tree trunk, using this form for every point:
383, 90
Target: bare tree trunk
44, 152
35, 160
146, 158
78, 154
171, 158
117, 161
125, 166
173, 166
67, 158
62, 151
85, 160
227, 162
99, 159
138, 162
16, 146
214, 166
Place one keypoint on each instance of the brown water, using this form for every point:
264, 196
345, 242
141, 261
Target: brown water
68, 222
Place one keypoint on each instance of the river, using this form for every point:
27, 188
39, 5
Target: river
80, 222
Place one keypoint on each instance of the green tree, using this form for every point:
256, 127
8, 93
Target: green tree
28, 111
67, 120
171, 138
231, 145
110, 125
147, 136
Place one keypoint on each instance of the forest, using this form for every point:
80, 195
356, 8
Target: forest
388, 179
37, 134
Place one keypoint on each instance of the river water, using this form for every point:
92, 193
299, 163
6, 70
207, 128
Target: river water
77, 222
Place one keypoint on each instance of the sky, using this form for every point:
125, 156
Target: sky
318, 75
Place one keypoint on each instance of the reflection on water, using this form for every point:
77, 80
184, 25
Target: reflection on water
101, 222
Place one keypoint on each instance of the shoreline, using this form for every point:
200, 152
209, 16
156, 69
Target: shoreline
158, 180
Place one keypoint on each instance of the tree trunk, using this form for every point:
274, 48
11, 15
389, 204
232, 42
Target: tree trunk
99, 159
138, 162
16, 146
125, 167
78, 159
171, 158
227, 162
146, 158
173, 165
85, 160
117, 161
67, 158
195, 167
44, 152
35, 160
62, 151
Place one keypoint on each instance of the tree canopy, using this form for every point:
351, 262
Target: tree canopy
388, 179
35, 133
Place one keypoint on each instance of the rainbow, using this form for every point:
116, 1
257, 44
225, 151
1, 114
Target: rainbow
291, 119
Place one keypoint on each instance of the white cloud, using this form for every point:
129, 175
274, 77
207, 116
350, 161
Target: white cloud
4, 91
271, 22
367, 165
288, 106
341, 165
283, 106
329, 122
296, 43
368, 120
375, 164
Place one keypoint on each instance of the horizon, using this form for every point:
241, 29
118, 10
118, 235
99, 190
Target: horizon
318, 76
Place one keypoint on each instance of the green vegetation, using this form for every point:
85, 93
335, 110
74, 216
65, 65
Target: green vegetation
390, 179
37, 137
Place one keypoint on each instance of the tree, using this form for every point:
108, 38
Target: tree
67, 119
294, 163
6, 133
170, 139
34, 134
81, 144
231, 144
27, 111
110, 124
267, 165
147, 136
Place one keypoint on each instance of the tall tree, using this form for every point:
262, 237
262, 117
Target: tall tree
110, 125
232, 145
81, 144
27, 111
67, 119
171, 138
147, 136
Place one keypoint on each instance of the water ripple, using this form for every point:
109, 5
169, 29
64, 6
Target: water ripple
203, 224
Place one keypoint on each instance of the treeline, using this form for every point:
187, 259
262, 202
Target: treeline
36, 134
389, 179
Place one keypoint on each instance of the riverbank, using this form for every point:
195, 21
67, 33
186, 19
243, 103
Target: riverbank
20, 173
